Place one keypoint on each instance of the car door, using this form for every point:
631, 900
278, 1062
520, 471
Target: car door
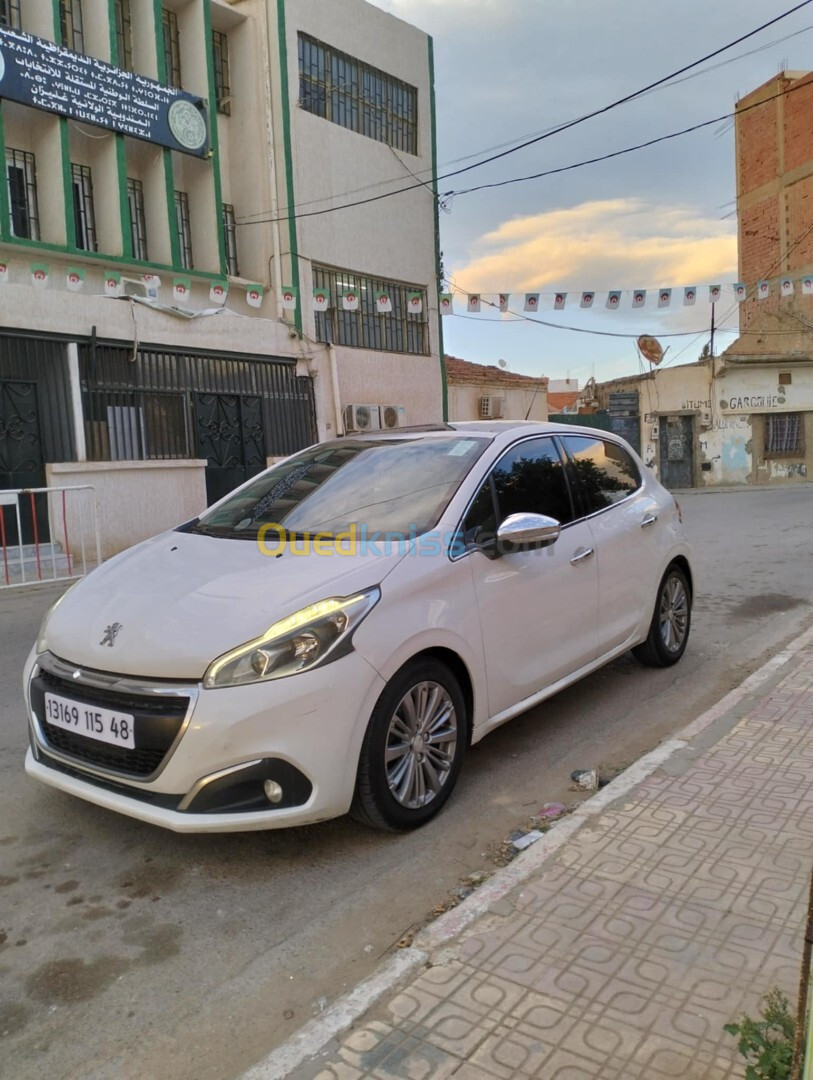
623, 519
537, 607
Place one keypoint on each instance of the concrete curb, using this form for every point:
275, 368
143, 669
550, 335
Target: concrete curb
346, 1010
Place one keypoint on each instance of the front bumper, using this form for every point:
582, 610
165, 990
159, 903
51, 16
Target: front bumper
303, 733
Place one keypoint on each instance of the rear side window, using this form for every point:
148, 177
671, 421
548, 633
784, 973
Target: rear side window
604, 472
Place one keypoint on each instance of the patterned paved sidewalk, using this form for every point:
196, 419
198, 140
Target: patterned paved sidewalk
627, 951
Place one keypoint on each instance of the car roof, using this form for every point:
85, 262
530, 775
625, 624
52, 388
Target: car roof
483, 429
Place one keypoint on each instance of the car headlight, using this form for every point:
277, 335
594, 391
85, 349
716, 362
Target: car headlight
300, 642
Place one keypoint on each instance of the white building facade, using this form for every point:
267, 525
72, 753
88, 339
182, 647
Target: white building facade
175, 174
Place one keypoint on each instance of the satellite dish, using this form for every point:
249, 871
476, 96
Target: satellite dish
650, 348
503, 363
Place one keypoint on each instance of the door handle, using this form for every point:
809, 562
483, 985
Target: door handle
581, 555
650, 519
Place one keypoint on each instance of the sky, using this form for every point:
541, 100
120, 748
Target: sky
660, 217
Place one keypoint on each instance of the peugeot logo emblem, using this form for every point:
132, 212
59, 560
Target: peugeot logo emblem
110, 634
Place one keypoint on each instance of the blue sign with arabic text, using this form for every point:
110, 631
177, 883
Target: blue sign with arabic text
46, 76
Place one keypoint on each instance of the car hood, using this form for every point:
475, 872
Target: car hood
181, 600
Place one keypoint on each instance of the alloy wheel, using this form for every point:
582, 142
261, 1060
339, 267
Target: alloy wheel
674, 613
420, 745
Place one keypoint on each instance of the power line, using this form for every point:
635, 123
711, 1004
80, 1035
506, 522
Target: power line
546, 134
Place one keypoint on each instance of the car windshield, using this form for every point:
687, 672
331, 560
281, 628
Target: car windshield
399, 486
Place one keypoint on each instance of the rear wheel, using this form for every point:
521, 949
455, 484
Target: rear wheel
413, 748
671, 622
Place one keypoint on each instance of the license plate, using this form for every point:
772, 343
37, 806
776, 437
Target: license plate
90, 720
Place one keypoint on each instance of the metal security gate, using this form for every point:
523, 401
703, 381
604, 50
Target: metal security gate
234, 411
676, 441
22, 464
625, 419
229, 429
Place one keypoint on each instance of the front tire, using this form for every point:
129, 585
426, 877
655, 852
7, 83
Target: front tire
413, 748
671, 622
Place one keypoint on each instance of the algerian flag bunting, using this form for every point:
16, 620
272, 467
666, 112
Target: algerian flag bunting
181, 290
807, 286
383, 303
786, 287
740, 291
254, 295
664, 298
350, 299
321, 299
639, 298
446, 305
689, 296
532, 301
504, 298
763, 290
714, 293
415, 303
112, 283
613, 299
587, 299
218, 291
3, 273
75, 278
559, 301
290, 297
473, 302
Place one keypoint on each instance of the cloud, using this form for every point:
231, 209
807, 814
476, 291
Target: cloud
437, 16
624, 243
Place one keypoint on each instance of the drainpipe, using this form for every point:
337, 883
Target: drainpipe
276, 272
334, 382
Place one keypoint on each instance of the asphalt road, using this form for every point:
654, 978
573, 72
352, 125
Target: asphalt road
126, 951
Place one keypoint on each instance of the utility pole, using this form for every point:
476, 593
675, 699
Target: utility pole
711, 342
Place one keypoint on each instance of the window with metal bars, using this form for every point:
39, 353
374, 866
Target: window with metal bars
220, 51
357, 96
124, 35
184, 230
84, 217
172, 47
10, 14
397, 331
71, 25
784, 435
21, 177
230, 240
138, 226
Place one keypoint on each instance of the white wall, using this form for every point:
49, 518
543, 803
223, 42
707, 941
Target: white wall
464, 401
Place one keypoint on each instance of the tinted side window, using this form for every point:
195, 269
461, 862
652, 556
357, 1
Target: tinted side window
481, 521
530, 479
605, 473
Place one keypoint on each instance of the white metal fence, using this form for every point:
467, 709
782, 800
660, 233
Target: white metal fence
47, 534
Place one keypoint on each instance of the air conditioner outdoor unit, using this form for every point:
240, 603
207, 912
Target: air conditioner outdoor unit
393, 416
134, 287
362, 418
492, 408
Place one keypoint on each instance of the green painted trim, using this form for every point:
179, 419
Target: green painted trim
108, 260
285, 101
112, 34
445, 389
158, 19
124, 202
67, 183
57, 22
5, 219
213, 136
174, 238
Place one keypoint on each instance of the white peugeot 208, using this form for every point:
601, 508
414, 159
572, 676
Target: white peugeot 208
334, 634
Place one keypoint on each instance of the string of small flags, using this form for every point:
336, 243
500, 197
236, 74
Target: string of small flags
476, 302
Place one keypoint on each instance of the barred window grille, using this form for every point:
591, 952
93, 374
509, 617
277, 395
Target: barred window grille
21, 177
784, 434
71, 25
220, 51
124, 35
230, 240
172, 47
184, 229
84, 217
10, 14
138, 225
398, 331
357, 96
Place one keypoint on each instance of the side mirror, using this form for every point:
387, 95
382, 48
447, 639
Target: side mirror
527, 530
